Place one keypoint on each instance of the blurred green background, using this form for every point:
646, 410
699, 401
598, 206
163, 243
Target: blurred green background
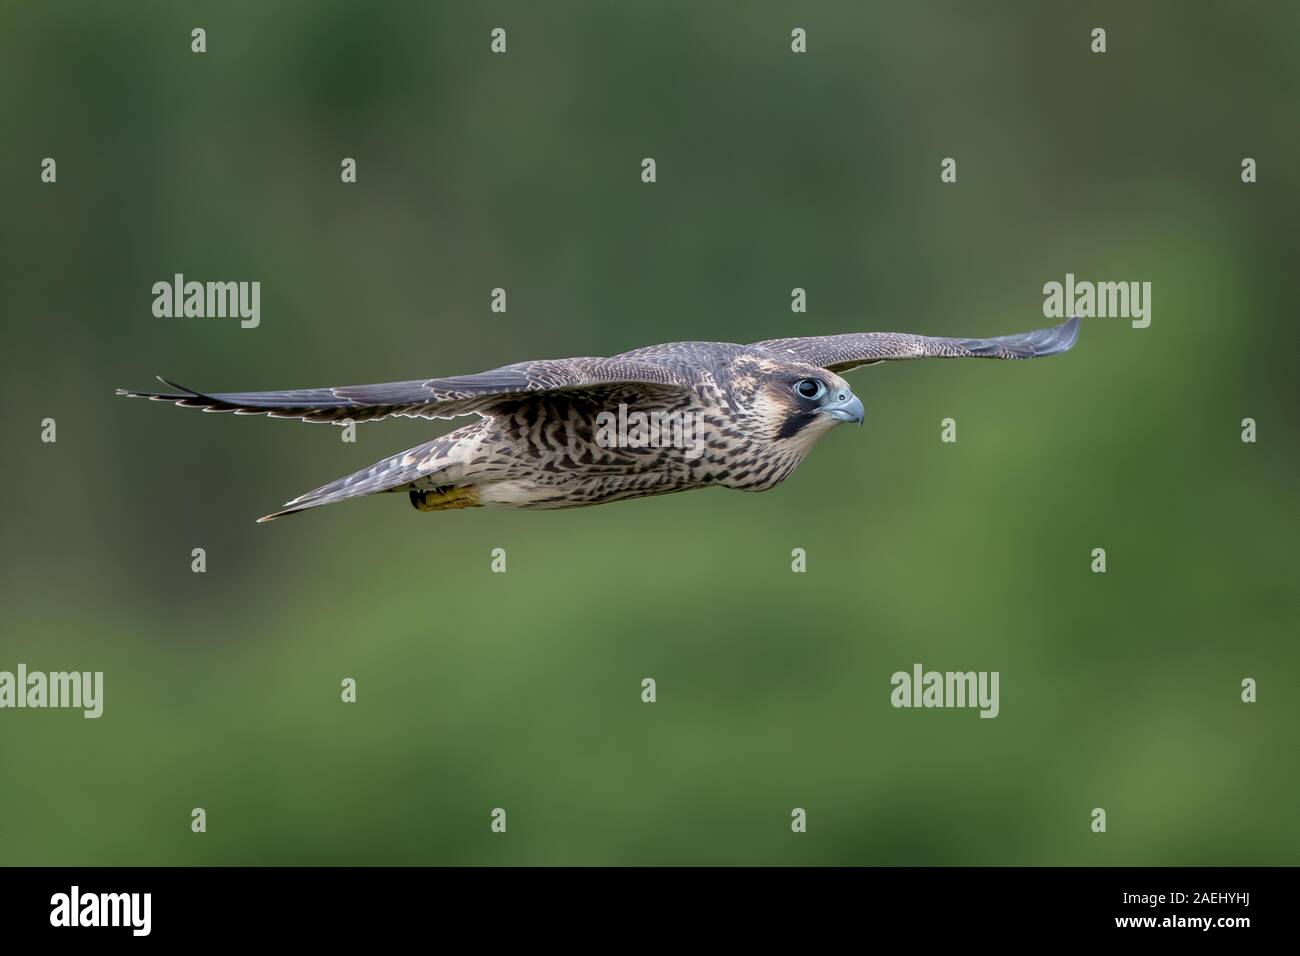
522, 690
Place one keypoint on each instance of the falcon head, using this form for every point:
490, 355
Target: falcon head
798, 403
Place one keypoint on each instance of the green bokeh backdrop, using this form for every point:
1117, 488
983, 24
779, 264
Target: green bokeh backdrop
521, 690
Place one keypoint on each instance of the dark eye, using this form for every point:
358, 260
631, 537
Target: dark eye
809, 388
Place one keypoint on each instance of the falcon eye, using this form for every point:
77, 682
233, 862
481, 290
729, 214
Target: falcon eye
809, 388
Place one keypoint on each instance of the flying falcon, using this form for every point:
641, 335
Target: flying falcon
564, 433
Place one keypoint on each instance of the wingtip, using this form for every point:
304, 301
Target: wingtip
1069, 332
170, 384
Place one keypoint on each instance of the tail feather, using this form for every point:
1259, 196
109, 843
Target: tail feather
424, 465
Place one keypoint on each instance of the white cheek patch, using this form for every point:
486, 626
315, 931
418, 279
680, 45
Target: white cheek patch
767, 415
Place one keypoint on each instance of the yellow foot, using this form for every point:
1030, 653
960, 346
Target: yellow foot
444, 499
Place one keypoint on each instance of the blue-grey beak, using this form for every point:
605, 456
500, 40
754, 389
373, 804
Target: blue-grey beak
846, 407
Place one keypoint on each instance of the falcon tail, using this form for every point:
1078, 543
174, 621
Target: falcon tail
430, 472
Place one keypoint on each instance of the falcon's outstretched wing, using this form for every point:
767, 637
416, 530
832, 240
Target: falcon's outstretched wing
424, 398
839, 353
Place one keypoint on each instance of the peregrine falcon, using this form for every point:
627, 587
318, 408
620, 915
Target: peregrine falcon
564, 433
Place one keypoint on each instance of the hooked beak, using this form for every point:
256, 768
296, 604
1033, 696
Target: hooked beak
846, 408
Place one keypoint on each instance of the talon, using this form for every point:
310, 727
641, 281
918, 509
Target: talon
444, 498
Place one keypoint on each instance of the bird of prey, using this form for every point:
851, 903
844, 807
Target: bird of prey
564, 433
